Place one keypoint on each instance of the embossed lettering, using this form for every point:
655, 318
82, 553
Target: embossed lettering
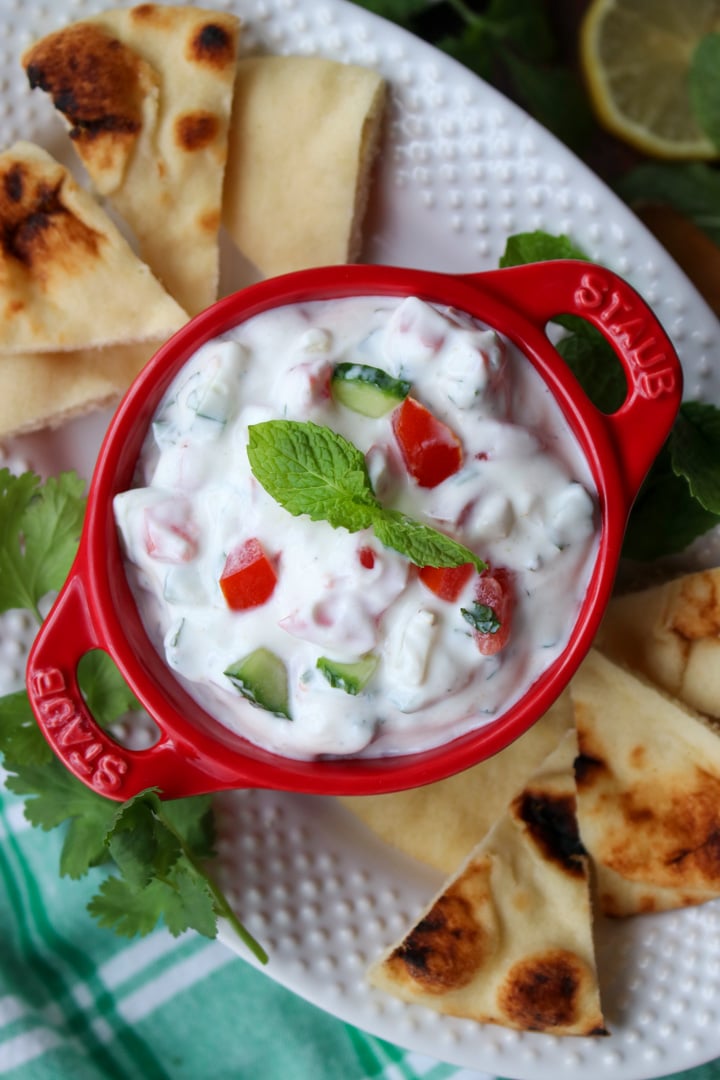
57, 711
591, 292
47, 681
654, 384
630, 332
110, 770
68, 727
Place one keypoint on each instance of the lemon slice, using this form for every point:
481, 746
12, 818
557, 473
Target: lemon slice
635, 55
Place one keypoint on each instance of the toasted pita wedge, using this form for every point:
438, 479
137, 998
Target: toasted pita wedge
440, 823
303, 138
40, 390
648, 781
147, 93
509, 939
68, 279
671, 634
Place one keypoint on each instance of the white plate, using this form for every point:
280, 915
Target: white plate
462, 168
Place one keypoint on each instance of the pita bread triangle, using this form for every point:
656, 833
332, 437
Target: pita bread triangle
671, 634
147, 93
440, 823
508, 940
68, 279
304, 134
648, 782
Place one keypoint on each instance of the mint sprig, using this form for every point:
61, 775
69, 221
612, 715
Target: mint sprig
310, 469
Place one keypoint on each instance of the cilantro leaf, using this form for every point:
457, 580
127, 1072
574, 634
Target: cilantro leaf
184, 902
107, 694
40, 526
704, 86
139, 841
21, 741
312, 470
84, 845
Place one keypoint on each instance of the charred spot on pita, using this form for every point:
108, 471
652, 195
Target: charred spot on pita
92, 78
445, 948
36, 228
542, 992
196, 130
552, 823
212, 44
588, 768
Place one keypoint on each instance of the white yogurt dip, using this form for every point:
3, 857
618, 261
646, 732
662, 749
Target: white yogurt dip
522, 498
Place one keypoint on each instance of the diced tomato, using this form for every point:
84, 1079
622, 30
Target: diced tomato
430, 449
248, 578
495, 590
447, 582
366, 555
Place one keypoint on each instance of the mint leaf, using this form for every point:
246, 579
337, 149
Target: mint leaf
693, 189
704, 85
482, 618
309, 469
554, 97
538, 246
40, 526
695, 452
333, 485
665, 517
594, 364
422, 544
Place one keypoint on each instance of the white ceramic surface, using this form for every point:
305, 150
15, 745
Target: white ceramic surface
461, 169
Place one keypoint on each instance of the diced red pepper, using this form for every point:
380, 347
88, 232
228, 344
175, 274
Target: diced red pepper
366, 555
430, 449
495, 590
447, 582
248, 578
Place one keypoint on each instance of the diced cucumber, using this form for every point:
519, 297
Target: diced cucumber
261, 677
367, 390
353, 677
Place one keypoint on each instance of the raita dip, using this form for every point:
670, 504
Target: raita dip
311, 640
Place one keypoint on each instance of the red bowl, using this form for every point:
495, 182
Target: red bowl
96, 609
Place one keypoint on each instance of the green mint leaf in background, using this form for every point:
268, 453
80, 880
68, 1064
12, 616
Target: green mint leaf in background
40, 526
704, 86
594, 364
695, 451
538, 246
399, 11
665, 517
692, 188
420, 543
309, 469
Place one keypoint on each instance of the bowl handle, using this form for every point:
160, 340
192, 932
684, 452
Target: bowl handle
542, 290
65, 720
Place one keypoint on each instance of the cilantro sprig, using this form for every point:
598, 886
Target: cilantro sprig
310, 469
156, 851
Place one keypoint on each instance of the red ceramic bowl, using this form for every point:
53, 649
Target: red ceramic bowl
95, 609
